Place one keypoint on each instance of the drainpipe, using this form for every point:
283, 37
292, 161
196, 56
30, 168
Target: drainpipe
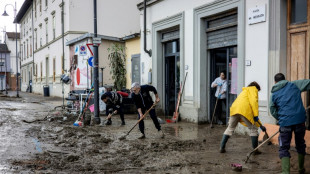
30, 86
63, 52
149, 52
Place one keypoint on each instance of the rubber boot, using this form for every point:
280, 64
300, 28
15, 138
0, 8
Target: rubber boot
285, 165
301, 162
255, 144
142, 136
161, 134
109, 122
223, 143
123, 123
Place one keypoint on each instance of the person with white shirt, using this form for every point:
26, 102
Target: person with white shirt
220, 84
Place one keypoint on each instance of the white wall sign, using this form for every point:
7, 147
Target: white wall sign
257, 14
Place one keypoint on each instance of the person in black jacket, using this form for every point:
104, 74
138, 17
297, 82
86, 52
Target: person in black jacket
143, 101
113, 101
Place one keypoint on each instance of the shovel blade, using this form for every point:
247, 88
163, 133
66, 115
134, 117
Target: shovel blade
122, 137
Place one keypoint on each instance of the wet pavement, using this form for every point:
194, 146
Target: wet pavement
32, 142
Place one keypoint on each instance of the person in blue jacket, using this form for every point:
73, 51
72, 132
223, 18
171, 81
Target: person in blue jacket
287, 107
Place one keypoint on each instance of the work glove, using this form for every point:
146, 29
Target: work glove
256, 118
110, 110
263, 128
219, 84
219, 96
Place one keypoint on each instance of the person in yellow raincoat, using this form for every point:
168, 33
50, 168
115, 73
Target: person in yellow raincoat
244, 110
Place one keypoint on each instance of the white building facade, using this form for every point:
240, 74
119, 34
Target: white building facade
247, 39
44, 54
10, 40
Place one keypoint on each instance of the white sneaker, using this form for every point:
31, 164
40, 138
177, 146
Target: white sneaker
161, 134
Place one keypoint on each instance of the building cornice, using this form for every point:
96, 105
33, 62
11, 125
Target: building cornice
57, 38
148, 4
91, 35
26, 64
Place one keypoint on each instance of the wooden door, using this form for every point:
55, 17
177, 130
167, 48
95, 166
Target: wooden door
298, 42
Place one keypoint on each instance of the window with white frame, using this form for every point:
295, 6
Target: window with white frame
54, 26
35, 8
41, 71
35, 39
21, 50
30, 41
24, 51
54, 69
46, 31
40, 4
27, 49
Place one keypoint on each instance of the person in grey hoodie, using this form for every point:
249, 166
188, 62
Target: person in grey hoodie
287, 107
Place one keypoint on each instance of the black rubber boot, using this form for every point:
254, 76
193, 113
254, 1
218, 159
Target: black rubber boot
255, 144
109, 122
223, 143
142, 136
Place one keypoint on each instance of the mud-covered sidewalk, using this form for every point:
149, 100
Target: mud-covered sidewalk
32, 142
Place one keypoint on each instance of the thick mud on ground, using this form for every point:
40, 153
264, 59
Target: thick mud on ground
56, 146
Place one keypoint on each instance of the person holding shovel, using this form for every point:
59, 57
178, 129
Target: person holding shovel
143, 101
244, 110
220, 84
113, 101
287, 107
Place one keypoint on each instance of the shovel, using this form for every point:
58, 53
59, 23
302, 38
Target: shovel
108, 117
248, 156
213, 113
141, 118
217, 98
266, 136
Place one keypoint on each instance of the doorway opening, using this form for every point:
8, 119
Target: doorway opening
172, 75
223, 60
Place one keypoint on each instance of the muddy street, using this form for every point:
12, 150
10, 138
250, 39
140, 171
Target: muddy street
36, 139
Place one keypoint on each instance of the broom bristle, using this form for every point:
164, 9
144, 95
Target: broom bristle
170, 121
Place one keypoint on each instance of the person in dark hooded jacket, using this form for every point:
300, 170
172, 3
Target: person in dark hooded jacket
287, 107
114, 103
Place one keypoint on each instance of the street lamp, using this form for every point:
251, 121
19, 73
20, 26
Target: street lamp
5, 14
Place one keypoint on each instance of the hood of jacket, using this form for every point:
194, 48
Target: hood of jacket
279, 86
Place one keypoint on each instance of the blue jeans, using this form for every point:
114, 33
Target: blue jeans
286, 137
153, 117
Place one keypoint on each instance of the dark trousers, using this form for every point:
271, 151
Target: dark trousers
286, 137
219, 110
119, 111
153, 117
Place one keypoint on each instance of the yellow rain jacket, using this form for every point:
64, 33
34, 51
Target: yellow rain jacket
246, 104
